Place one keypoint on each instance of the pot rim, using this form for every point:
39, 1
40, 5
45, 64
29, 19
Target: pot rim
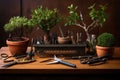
102, 47
8, 42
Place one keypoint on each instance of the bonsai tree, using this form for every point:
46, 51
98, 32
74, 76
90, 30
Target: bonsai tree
45, 19
106, 40
17, 42
98, 17
16, 26
105, 45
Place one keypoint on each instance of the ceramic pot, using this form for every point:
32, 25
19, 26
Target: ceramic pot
104, 51
64, 40
18, 47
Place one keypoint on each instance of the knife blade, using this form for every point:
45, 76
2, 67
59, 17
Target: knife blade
9, 64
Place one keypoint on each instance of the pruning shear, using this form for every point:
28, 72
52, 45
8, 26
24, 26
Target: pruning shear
88, 59
5, 57
12, 60
18, 61
57, 60
9, 60
93, 60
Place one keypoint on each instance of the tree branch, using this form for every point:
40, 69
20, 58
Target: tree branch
79, 25
91, 25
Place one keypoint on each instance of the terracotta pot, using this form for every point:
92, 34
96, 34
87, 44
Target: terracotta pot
104, 51
64, 40
18, 47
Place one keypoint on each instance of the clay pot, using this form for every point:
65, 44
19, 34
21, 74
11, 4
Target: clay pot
104, 51
18, 47
64, 40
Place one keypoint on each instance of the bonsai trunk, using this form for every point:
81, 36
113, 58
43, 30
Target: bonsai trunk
47, 38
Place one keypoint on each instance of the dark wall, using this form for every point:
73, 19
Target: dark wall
9, 8
112, 24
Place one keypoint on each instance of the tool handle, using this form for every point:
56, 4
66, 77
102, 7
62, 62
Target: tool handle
97, 60
68, 64
9, 64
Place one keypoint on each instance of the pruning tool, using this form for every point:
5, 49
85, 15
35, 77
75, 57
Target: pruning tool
57, 60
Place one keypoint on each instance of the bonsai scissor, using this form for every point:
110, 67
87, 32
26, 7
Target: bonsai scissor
57, 60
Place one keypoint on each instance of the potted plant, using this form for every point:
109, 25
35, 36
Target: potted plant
63, 39
105, 45
16, 42
98, 17
45, 19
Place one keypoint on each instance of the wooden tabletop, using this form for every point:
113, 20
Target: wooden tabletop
111, 66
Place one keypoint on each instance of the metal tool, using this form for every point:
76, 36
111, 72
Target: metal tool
31, 54
5, 57
25, 59
88, 59
78, 57
46, 60
97, 60
57, 60
93, 60
18, 61
8, 58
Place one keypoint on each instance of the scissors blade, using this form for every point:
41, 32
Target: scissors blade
9, 64
46, 60
64, 62
56, 59
53, 62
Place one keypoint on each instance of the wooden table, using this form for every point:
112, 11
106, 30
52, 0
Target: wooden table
110, 67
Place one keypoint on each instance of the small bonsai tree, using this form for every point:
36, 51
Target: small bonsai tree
17, 41
45, 18
16, 26
106, 40
105, 45
98, 17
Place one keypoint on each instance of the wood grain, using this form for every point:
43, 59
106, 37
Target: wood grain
111, 66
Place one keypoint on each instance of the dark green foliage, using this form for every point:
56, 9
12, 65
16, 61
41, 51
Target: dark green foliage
45, 18
98, 15
15, 22
106, 40
17, 25
73, 15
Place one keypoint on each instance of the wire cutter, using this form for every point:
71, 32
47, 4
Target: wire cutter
57, 60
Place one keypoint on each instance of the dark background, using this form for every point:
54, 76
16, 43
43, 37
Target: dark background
10, 8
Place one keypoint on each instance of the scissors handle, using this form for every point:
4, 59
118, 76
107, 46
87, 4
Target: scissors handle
68, 64
97, 60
